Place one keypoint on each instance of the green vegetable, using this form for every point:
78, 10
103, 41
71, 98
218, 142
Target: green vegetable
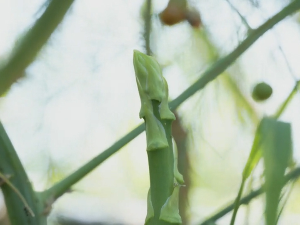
153, 91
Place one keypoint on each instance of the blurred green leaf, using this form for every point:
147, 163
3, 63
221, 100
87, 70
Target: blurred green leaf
277, 151
264, 127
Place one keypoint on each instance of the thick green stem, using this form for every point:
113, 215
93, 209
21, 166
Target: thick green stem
210, 74
163, 197
161, 165
32, 42
12, 168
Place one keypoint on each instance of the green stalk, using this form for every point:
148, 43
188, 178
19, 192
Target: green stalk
29, 46
161, 171
147, 29
19, 196
153, 90
210, 74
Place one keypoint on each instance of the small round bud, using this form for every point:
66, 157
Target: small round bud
261, 91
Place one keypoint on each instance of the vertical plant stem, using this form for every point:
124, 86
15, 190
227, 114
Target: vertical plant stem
161, 171
153, 90
147, 19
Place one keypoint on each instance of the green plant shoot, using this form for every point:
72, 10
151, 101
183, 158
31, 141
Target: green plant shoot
163, 196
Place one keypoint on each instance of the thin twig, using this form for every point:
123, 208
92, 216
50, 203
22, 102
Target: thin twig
147, 29
286, 61
244, 21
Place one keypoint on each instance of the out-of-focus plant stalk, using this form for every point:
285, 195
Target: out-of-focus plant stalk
147, 27
24, 206
28, 47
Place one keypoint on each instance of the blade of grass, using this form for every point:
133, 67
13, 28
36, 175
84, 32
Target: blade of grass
253, 159
210, 74
32, 42
277, 151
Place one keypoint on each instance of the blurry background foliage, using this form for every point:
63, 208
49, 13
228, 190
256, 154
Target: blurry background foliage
79, 96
